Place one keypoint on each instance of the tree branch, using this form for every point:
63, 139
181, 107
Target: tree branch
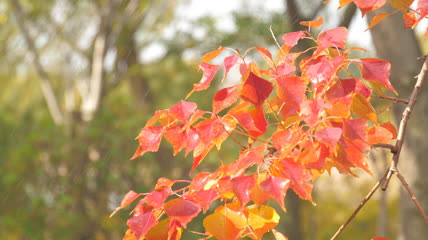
384, 145
360, 206
348, 15
412, 196
405, 118
47, 89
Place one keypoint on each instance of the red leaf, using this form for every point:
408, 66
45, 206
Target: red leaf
312, 109
391, 129
225, 98
267, 56
129, 198
241, 187
256, 89
252, 120
300, 178
176, 135
183, 210
229, 62
335, 37
209, 72
290, 39
276, 188
182, 111
161, 192
211, 55
141, 224
367, 6
315, 24
329, 136
376, 70
291, 90
205, 198
379, 238
285, 141
318, 71
149, 140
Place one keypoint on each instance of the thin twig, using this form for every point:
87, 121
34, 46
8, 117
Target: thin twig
405, 118
385, 145
412, 196
392, 99
360, 206
276, 41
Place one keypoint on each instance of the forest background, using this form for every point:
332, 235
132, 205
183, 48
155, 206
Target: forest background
78, 80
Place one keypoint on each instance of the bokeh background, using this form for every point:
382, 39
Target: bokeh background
78, 80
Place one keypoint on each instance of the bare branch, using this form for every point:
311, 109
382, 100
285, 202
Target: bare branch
405, 118
412, 196
47, 89
360, 206
384, 145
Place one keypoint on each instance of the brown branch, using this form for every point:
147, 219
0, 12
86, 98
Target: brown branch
385, 145
412, 196
47, 89
360, 206
405, 118
392, 99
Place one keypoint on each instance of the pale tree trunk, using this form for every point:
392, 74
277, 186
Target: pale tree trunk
401, 47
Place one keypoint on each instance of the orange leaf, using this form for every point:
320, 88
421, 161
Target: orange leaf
377, 19
159, 232
391, 128
379, 238
211, 55
343, 3
208, 74
225, 224
363, 109
401, 4
410, 20
378, 135
315, 24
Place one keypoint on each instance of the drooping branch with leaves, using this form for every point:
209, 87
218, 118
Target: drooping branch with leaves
293, 119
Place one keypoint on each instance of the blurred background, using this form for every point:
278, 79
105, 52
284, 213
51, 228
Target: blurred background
78, 80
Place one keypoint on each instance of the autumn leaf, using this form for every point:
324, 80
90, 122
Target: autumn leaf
378, 135
225, 98
241, 186
315, 24
335, 37
141, 224
253, 120
225, 223
159, 232
410, 20
208, 74
329, 136
343, 3
318, 70
261, 219
278, 235
300, 178
211, 55
290, 39
129, 198
291, 90
255, 89
182, 209
367, 6
276, 188
377, 19
401, 4
376, 70
229, 62
362, 108
149, 140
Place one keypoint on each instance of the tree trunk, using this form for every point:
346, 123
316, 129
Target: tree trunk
401, 47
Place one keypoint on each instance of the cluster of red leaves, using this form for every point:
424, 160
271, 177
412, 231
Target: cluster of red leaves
411, 17
320, 118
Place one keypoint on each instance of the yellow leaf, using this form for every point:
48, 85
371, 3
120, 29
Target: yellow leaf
261, 219
401, 4
225, 224
377, 19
